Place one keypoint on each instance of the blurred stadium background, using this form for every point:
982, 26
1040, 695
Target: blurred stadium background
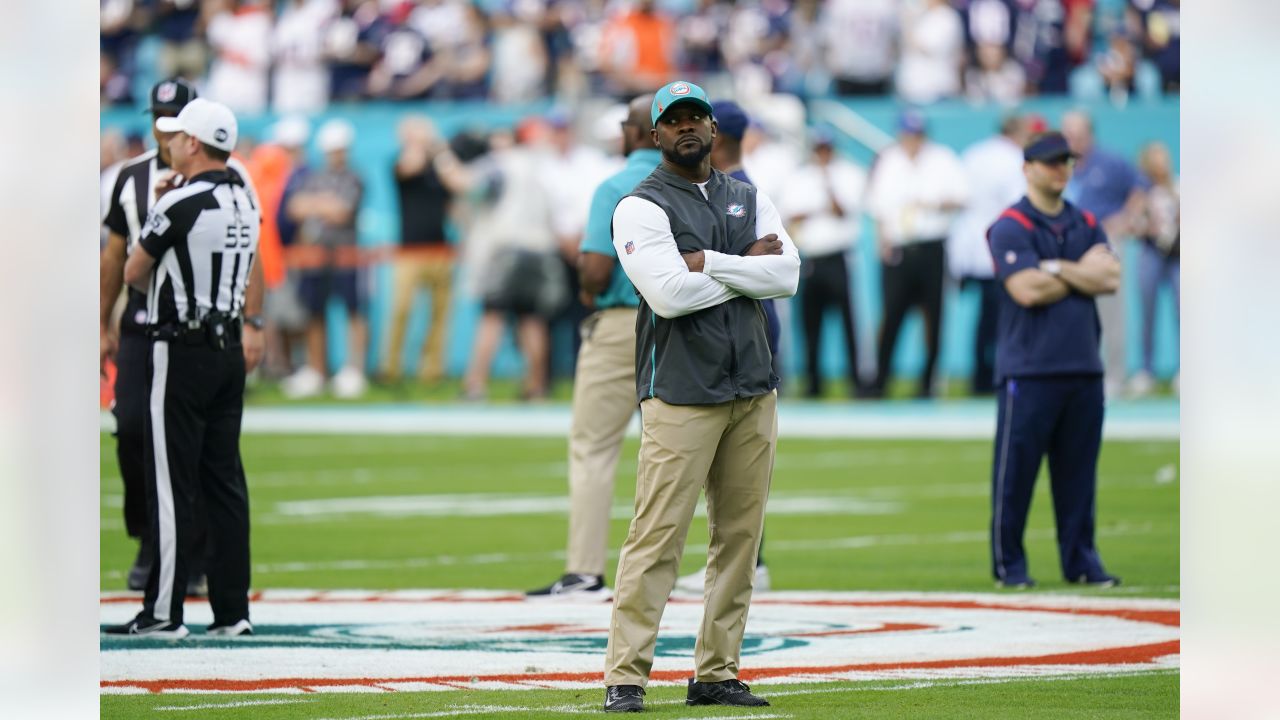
555, 71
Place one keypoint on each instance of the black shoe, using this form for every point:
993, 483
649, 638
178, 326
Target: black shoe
623, 698
143, 625
235, 629
1025, 583
573, 585
1101, 580
141, 569
725, 692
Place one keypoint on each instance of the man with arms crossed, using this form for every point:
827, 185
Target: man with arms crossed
687, 239
1051, 259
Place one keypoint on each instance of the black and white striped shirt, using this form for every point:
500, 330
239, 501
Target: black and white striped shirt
204, 236
132, 197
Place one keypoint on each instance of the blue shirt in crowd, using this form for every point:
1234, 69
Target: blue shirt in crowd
598, 237
1061, 338
1102, 182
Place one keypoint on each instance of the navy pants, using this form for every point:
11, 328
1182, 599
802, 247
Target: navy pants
1060, 417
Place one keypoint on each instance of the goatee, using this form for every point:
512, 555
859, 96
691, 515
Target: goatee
688, 158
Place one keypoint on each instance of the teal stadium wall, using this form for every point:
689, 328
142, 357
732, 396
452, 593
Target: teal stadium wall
955, 124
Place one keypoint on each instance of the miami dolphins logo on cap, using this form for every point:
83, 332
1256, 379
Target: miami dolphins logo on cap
736, 209
680, 89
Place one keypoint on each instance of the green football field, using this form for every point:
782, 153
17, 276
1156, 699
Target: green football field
395, 512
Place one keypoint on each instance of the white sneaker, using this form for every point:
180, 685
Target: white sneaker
1141, 385
304, 383
349, 383
694, 582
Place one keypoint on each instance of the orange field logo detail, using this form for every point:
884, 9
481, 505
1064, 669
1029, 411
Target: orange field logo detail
438, 640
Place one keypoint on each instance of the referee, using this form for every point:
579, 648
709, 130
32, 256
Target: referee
133, 194
194, 260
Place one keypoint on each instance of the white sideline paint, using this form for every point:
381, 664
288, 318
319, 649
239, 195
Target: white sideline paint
951, 419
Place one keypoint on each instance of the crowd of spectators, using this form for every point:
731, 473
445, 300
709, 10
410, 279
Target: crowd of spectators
300, 55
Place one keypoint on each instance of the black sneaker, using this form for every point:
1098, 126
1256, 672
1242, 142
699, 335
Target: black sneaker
1025, 583
149, 626
1102, 580
725, 692
235, 629
573, 585
623, 698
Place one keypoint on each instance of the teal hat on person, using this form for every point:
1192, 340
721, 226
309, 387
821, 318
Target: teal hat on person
675, 93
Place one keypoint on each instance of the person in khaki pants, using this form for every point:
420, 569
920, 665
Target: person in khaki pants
424, 258
702, 249
605, 379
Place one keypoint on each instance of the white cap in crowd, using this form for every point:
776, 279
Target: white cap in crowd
334, 135
212, 123
291, 131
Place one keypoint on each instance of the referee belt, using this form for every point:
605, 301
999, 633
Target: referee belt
202, 333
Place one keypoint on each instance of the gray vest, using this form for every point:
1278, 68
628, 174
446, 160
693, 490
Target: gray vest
720, 353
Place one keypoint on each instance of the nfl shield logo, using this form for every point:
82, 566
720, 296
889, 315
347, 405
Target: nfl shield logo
630, 247
166, 92
736, 210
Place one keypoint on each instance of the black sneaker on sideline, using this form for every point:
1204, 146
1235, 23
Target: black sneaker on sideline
1097, 581
573, 585
1016, 584
624, 698
725, 692
149, 626
235, 629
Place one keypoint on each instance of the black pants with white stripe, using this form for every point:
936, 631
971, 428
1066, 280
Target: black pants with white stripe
1061, 417
193, 449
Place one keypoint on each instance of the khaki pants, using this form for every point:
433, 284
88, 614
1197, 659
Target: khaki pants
730, 448
435, 273
604, 398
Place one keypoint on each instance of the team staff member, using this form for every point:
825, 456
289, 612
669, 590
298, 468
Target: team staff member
726, 156
687, 239
1052, 259
138, 184
604, 380
194, 259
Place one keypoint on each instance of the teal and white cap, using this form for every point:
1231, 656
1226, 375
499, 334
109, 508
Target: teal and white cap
678, 92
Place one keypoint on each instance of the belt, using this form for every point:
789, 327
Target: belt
218, 331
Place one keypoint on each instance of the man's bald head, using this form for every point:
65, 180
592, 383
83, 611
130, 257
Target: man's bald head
635, 129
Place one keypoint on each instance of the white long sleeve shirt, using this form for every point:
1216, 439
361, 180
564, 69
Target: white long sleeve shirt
906, 195
647, 250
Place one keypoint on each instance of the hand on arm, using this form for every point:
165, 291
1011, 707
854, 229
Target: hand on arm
654, 264
766, 275
1097, 272
594, 271
137, 270
1034, 287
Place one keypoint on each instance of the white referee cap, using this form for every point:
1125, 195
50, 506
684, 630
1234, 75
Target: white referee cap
209, 122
